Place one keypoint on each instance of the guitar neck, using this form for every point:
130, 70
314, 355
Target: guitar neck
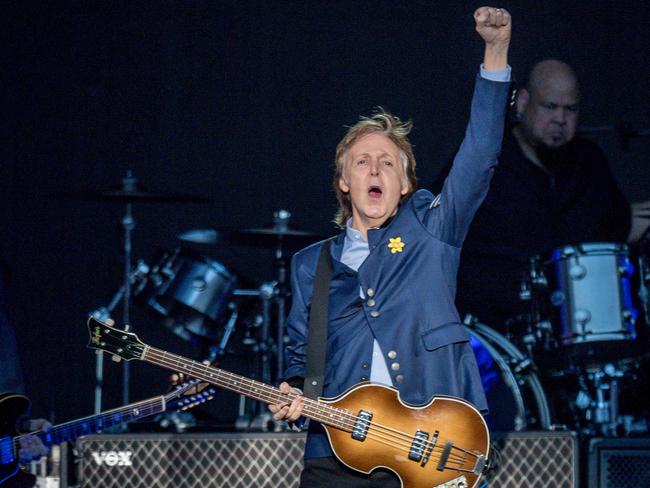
74, 429
313, 409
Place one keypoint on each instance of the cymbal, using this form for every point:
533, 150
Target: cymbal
128, 191
259, 236
278, 231
128, 196
200, 236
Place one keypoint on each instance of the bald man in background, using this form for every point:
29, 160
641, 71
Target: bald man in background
552, 188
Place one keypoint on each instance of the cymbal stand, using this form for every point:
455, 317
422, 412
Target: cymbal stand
266, 295
281, 221
138, 279
129, 183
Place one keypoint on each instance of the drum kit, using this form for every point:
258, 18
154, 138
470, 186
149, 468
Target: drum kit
198, 298
584, 338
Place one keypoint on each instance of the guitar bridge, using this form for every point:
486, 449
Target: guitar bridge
446, 451
361, 426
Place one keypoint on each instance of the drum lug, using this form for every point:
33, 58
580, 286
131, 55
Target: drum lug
577, 272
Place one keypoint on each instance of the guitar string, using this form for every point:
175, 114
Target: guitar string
147, 406
58, 429
275, 396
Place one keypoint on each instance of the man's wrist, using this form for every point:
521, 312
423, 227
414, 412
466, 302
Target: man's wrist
501, 75
496, 56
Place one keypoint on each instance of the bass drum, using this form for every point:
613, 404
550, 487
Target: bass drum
514, 392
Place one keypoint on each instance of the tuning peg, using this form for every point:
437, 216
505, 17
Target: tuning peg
116, 358
110, 322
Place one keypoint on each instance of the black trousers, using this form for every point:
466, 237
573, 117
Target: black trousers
328, 472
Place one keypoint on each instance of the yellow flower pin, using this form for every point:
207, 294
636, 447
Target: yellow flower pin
395, 245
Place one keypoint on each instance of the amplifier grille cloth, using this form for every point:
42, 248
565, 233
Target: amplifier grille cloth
531, 459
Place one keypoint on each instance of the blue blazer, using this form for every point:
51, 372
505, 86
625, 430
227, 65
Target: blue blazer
409, 295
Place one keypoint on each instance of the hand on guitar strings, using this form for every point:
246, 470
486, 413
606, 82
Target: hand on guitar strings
31, 447
289, 412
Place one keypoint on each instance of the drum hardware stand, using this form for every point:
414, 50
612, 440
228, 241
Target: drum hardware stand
137, 281
216, 352
129, 184
243, 421
269, 292
603, 410
281, 223
644, 283
273, 293
534, 285
261, 420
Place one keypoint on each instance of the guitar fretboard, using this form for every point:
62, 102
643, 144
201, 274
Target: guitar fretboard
327, 414
74, 429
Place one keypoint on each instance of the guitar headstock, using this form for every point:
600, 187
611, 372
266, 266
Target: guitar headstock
119, 343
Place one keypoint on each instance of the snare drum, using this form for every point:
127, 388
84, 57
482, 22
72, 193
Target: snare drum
592, 293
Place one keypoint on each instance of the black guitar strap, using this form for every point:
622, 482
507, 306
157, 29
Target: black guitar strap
317, 339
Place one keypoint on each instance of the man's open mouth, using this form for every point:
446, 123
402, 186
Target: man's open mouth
375, 192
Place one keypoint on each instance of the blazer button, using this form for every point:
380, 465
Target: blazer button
399, 378
365, 365
394, 366
370, 292
371, 303
374, 313
392, 354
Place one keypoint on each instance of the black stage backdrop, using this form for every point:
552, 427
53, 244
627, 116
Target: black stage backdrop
242, 102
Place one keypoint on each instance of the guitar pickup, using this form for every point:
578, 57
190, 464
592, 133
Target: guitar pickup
361, 426
418, 445
427, 453
6, 451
